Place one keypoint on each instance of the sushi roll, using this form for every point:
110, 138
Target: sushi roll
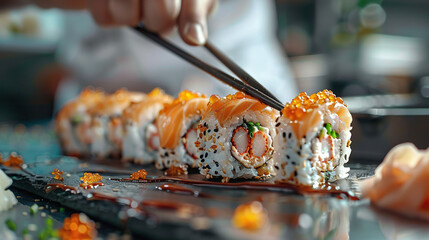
73, 123
177, 127
313, 140
141, 138
235, 138
106, 125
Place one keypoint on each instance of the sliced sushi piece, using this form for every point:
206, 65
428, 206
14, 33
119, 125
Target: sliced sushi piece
235, 138
106, 125
73, 123
141, 138
313, 140
177, 127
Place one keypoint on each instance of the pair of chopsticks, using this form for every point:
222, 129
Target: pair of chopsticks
249, 85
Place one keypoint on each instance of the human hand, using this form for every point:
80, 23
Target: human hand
160, 16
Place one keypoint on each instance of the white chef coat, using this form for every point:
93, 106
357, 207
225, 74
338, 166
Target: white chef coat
118, 57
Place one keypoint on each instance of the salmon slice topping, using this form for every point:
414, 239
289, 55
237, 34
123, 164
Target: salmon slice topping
238, 104
306, 112
171, 119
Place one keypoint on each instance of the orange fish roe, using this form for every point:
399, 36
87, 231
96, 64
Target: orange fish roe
58, 174
78, 226
176, 171
89, 178
14, 160
140, 174
304, 103
250, 216
156, 92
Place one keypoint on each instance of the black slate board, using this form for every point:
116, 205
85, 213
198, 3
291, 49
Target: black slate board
284, 208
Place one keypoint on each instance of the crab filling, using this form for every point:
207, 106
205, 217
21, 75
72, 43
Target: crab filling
259, 145
241, 139
190, 138
152, 137
251, 144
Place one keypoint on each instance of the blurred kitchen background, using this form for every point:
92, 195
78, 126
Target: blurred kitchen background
373, 53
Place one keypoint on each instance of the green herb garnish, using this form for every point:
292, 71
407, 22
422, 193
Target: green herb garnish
62, 210
76, 119
25, 231
252, 127
11, 224
328, 129
327, 176
34, 209
48, 232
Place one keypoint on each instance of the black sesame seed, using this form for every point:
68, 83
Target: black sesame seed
295, 173
284, 135
203, 160
201, 156
218, 137
217, 164
303, 136
209, 131
277, 119
289, 135
287, 156
215, 151
216, 130
299, 152
166, 154
300, 147
205, 124
207, 154
173, 152
278, 124
293, 163
277, 167
204, 132
216, 172
208, 166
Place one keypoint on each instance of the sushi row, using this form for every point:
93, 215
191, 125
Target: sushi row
237, 136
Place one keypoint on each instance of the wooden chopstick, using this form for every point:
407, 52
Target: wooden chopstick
243, 75
217, 73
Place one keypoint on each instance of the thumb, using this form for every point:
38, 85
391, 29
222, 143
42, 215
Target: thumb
193, 20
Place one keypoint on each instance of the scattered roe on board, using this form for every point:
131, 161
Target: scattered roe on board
91, 180
14, 160
176, 171
140, 174
304, 103
250, 216
78, 226
58, 174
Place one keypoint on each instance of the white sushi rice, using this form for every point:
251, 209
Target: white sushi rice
216, 152
297, 161
102, 146
134, 147
178, 156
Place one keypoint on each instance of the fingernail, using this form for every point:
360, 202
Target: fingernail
194, 33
